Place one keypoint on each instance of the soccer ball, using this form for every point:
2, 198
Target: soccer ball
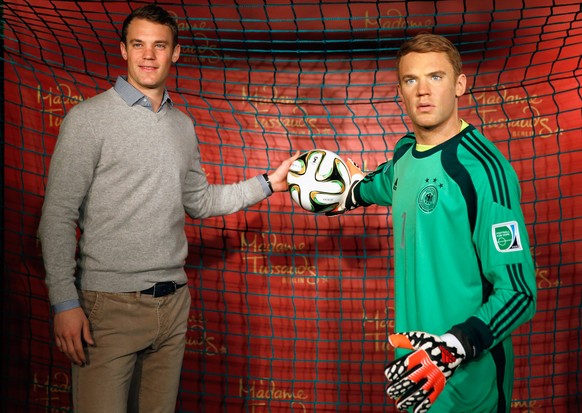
317, 180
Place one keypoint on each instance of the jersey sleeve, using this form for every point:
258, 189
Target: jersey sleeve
501, 241
376, 187
372, 189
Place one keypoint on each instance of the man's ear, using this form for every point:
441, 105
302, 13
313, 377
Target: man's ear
176, 54
461, 85
123, 50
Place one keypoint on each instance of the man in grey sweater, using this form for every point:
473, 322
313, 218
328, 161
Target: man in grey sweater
125, 170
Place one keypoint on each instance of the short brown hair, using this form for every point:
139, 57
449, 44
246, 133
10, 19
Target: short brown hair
154, 14
428, 42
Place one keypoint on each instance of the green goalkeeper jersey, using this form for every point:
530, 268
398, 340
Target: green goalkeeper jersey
462, 257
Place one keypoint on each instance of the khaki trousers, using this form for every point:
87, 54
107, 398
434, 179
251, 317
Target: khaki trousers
136, 361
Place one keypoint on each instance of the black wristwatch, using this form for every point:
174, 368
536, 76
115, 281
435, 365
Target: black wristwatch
268, 182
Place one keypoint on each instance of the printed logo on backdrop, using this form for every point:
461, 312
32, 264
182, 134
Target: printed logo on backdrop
501, 109
544, 279
377, 327
506, 237
531, 406
204, 50
51, 390
268, 102
199, 340
263, 392
54, 101
395, 19
258, 249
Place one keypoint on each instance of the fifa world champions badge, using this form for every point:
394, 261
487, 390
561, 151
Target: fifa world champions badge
506, 237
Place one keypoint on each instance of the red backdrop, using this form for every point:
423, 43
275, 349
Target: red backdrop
292, 309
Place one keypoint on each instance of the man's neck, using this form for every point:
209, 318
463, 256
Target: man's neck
438, 134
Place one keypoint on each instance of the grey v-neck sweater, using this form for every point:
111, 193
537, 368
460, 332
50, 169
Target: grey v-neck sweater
125, 176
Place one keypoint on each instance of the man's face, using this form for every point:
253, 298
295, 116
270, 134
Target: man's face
429, 89
149, 53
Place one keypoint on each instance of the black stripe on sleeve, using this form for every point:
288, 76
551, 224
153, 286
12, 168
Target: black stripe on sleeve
512, 311
492, 166
457, 171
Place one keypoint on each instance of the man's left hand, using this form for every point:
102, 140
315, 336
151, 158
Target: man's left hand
417, 379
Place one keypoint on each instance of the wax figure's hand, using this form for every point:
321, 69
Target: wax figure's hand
71, 327
278, 178
417, 379
348, 202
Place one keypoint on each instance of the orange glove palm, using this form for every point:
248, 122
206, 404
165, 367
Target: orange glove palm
417, 379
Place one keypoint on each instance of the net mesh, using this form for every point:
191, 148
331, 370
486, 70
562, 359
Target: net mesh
291, 311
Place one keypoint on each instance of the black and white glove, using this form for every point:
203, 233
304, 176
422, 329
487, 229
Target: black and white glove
417, 379
348, 201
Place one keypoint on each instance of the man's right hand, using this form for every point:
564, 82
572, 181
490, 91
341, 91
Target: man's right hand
71, 328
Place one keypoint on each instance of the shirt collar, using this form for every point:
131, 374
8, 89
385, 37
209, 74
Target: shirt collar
132, 96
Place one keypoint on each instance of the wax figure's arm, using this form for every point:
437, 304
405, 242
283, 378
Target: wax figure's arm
374, 187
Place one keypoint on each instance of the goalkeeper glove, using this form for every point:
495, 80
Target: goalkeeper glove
348, 201
417, 379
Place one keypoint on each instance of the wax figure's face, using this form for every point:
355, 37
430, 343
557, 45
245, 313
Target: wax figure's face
429, 88
149, 53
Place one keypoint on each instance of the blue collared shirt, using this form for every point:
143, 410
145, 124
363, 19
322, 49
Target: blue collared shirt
132, 96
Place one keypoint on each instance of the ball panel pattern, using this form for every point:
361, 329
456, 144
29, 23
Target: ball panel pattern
317, 180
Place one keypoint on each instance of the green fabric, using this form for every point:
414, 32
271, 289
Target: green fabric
455, 209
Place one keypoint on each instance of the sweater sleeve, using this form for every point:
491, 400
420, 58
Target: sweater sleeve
71, 172
202, 200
